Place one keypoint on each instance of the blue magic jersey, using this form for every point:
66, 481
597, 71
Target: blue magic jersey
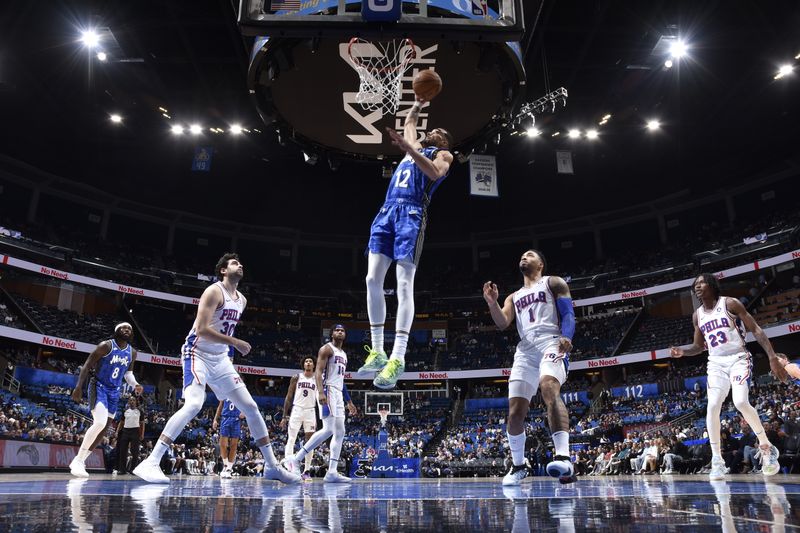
229, 410
111, 368
409, 183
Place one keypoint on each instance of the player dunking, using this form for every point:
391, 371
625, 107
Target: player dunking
206, 361
545, 320
230, 431
329, 375
396, 235
111, 361
719, 325
301, 400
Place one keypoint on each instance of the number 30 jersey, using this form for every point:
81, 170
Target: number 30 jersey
224, 320
723, 332
536, 311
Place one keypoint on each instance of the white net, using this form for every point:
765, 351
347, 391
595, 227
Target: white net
380, 67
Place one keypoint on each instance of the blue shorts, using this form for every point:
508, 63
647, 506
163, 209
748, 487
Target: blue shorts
108, 396
398, 231
231, 428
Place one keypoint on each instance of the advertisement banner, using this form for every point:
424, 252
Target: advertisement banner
158, 295
25, 454
394, 468
628, 358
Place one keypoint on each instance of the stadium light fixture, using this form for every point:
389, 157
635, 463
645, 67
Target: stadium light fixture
784, 70
574, 134
678, 49
668, 63
533, 132
195, 129
236, 129
653, 125
102, 56
556, 134
90, 38
591, 134
177, 129
115, 118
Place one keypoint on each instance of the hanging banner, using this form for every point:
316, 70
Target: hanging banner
202, 159
564, 162
483, 175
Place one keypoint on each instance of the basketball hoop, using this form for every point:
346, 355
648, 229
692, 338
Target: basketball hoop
380, 67
384, 414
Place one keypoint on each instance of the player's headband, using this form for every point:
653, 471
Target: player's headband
121, 325
338, 326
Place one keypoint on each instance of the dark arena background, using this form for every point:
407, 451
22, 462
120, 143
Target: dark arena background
635, 144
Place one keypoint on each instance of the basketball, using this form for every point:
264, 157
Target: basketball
427, 84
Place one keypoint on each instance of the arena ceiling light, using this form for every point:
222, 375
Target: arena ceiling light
591, 134
102, 56
177, 129
784, 70
195, 129
533, 132
115, 118
236, 129
574, 134
556, 134
653, 125
668, 63
90, 38
678, 49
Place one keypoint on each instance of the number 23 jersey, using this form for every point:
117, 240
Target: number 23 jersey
722, 332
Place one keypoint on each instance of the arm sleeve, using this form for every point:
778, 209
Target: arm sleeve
345, 393
129, 379
567, 314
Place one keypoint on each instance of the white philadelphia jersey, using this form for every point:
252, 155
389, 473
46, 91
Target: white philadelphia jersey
723, 332
536, 311
305, 395
224, 320
336, 368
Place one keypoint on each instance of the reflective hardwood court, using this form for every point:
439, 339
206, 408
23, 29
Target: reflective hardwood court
58, 502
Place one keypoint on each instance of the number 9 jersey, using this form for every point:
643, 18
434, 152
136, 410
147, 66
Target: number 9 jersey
723, 333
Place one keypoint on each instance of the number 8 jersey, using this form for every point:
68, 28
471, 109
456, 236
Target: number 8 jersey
722, 332
224, 320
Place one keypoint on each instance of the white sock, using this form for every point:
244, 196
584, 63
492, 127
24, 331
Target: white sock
561, 441
399, 348
376, 334
309, 457
269, 457
716, 452
159, 450
517, 445
333, 465
83, 454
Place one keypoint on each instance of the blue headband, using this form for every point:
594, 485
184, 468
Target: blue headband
338, 326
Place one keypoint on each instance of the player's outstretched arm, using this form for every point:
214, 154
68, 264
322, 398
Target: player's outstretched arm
287, 403
502, 316
738, 310
210, 301
100, 351
435, 169
322, 363
410, 124
698, 344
